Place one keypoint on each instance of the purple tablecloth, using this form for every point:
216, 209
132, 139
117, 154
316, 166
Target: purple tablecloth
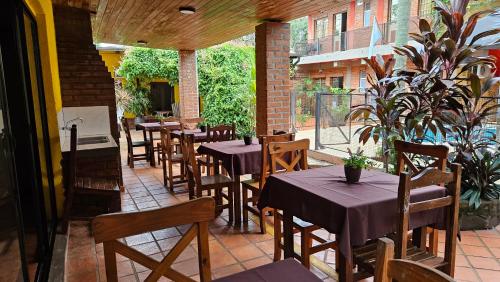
287, 270
237, 158
198, 135
355, 212
156, 126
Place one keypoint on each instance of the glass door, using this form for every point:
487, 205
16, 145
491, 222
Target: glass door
11, 266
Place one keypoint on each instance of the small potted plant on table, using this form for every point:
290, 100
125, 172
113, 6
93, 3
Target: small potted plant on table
354, 165
248, 135
202, 126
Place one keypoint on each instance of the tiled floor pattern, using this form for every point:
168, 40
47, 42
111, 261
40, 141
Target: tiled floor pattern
231, 249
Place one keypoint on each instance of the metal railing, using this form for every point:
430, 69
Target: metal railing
351, 39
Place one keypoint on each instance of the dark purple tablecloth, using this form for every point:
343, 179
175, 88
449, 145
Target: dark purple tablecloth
155, 126
237, 158
198, 135
287, 270
355, 212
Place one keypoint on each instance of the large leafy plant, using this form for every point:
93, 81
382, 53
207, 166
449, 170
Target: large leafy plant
438, 94
480, 176
383, 120
227, 86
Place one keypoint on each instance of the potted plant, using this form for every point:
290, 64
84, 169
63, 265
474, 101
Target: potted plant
248, 135
354, 165
202, 126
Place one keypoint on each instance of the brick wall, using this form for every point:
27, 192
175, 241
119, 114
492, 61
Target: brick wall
272, 49
85, 80
188, 84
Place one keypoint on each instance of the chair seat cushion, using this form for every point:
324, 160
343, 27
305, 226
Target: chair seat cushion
287, 270
215, 179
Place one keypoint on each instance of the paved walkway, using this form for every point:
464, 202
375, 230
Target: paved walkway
231, 249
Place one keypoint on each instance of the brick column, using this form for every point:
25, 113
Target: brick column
272, 50
188, 84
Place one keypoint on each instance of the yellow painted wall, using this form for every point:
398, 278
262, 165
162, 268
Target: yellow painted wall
111, 59
42, 10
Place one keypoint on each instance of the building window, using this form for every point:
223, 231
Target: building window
321, 82
393, 10
363, 82
425, 8
366, 13
337, 82
320, 28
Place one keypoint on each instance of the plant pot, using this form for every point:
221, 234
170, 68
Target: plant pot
247, 140
352, 174
203, 128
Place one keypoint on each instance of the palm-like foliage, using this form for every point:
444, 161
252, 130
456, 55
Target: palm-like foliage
384, 119
439, 93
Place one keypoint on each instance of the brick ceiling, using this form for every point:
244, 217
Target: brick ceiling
161, 25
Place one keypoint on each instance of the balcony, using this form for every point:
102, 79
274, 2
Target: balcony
348, 40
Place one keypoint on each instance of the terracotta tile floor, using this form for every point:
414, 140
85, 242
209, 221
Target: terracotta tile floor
231, 249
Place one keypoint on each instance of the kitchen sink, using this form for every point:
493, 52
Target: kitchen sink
92, 140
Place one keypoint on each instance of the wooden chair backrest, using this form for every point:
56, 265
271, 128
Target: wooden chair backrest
264, 141
166, 142
126, 128
221, 133
449, 202
288, 156
109, 228
389, 269
405, 149
169, 119
189, 157
190, 123
279, 132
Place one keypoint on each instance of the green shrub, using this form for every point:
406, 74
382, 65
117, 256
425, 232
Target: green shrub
227, 86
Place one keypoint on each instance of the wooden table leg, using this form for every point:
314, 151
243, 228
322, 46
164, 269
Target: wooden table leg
287, 234
151, 149
237, 200
345, 269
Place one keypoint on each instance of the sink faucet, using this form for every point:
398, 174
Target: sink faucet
72, 121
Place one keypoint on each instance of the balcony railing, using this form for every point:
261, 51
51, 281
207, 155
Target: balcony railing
351, 39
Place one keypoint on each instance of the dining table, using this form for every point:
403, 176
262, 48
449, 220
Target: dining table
355, 213
150, 128
237, 159
198, 135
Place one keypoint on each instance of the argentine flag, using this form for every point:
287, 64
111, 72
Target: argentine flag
376, 36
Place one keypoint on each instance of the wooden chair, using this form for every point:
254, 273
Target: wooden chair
197, 183
190, 123
365, 256
389, 269
158, 147
131, 156
434, 156
100, 195
169, 157
287, 157
107, 229
255, 185
217, 133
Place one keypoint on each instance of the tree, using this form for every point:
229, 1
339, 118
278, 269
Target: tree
227, 85
298, 31
139, 67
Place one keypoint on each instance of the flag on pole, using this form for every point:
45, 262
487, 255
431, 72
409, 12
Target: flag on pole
376, 36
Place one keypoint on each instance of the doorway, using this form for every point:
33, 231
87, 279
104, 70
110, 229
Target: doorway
162, 97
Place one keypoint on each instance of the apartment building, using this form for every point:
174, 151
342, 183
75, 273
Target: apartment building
339, 37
